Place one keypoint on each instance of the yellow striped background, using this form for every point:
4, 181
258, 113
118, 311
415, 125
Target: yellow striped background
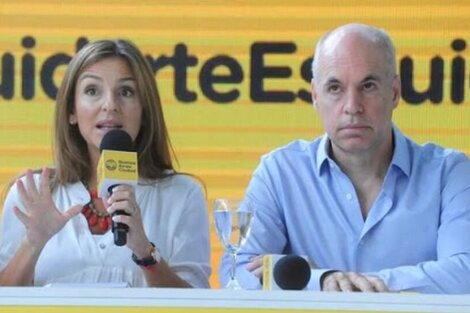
222, 143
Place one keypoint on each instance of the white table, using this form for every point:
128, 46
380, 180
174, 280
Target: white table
144, 300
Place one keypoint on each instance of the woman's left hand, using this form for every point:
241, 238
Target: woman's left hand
123, 198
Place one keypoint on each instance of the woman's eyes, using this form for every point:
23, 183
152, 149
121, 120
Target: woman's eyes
127, 92
124, 92
91, 91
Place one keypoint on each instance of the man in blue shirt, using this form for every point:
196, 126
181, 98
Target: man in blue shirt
371, 209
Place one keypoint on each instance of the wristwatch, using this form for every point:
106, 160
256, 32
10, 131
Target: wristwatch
154, 257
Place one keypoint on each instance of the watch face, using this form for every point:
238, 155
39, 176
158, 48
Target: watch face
156, 255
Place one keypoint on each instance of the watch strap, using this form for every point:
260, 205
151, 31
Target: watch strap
150, 260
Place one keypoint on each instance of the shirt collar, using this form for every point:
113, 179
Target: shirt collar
401, 152
400, 159
322, 152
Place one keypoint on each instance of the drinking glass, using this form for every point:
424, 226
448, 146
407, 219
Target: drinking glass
232, 220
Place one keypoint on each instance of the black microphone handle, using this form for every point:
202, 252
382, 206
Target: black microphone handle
119, 229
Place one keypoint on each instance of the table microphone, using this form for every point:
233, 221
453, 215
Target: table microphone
285, 272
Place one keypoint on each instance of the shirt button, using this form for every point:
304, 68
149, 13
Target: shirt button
349, 196
102, 246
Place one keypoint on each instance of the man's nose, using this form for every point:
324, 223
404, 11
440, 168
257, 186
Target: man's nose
353, 103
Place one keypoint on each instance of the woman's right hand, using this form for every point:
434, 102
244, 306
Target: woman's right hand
41, 217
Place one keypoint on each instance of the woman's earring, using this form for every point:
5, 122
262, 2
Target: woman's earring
72, 121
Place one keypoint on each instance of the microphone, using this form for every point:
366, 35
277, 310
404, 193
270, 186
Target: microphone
285, 272
117, 165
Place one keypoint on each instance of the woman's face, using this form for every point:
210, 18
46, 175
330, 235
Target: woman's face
106, 98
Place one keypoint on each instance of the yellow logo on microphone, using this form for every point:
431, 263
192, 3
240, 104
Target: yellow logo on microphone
117, 167
110, 165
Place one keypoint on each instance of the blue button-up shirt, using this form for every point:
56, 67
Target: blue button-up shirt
416, 235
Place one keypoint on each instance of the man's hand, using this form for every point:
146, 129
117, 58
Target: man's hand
351, 281
256, 266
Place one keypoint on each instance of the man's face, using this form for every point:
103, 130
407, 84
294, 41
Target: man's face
355, 94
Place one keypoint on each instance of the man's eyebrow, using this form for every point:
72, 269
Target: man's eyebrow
371, 77
332, 80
